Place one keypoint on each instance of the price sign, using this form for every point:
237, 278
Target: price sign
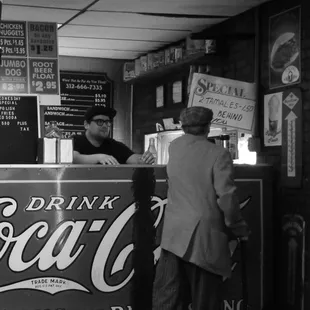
13, 75
84, 89
13, 38
44, 76
42, 39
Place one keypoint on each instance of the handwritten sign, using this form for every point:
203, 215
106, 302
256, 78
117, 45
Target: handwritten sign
232, 102
273, 119
19, 129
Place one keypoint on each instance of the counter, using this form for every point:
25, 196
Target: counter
72, 235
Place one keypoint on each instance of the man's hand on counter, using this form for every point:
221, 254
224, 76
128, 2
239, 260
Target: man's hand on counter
107, 160
147, 158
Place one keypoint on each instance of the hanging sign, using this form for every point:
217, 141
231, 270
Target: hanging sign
42, 39
13, 38
29, 66
232, 102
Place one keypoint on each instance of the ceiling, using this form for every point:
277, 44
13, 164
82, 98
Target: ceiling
123, 29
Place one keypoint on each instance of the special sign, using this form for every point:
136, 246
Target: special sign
232, 102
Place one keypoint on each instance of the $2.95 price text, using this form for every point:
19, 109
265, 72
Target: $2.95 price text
40, 86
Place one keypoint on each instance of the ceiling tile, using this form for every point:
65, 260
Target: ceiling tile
64, 4
108, 44
84, 52
123, 33
140, 21
196, 7
103, 33
36, 14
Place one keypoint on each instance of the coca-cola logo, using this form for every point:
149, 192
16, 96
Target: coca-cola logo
14, 243
69, 232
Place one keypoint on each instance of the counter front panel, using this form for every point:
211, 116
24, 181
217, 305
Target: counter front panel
82, 238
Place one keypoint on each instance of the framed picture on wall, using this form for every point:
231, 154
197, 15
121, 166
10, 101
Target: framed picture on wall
160, 100
273, 119
284, 48
177, 92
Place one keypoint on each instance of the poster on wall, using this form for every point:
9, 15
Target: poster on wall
292, 138
273, 119
284, 48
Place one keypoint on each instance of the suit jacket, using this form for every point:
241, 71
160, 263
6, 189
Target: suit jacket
202, 202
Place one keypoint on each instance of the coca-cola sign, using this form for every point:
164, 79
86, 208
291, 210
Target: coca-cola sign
69, 244
68, 238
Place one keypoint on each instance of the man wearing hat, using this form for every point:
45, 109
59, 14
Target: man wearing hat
95, 146
202, 206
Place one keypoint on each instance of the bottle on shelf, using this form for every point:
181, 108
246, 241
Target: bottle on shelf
152, 149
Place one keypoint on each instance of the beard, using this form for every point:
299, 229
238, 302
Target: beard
103, 133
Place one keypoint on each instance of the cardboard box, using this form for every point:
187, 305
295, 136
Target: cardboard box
172, 54
167, 56
129, 70
158, 59
137, 67
194, 46
150, 64
155, 60
143, 61
161, 58
178, 53
210, 47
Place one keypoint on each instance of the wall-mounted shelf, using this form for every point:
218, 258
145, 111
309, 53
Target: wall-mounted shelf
195, 59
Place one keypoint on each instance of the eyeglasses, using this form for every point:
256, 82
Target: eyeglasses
100, 122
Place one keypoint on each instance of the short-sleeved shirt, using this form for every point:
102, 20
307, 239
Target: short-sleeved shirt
109, 147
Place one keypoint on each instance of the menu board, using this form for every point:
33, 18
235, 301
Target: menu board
79, 91
29, 59
69, 119
85, 89
19, 132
